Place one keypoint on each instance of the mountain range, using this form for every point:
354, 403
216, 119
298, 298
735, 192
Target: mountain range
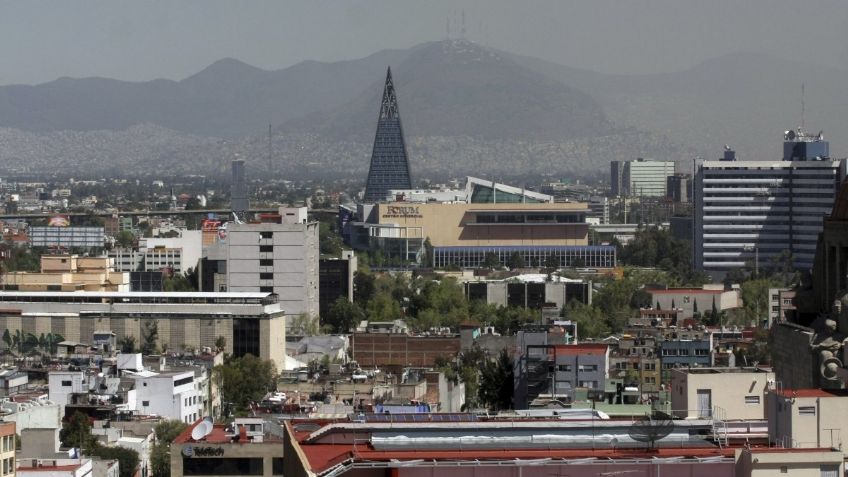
465, 108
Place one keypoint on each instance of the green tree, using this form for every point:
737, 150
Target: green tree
127, 344
220, 343
496, 382
149, 337
125, 239
7, 338
329, 240
516, 261
428, 258
160, 454
491, 260
363, 287
383, 307
76, 432
127, 458
244, 380
176, 283
551, 261
343, 315
591, 322
304, 325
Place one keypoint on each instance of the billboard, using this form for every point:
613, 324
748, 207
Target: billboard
59, 221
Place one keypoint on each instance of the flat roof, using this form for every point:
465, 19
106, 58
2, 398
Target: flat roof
71, 294
790, 393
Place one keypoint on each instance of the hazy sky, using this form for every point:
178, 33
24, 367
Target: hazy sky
141, 40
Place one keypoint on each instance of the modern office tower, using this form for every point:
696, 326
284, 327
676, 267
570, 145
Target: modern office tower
748, 213
679, 188
389, 161
647, 178
238, 191
616, 178
640, 178
335, 277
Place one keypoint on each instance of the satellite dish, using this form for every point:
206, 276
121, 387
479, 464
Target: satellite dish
790, 135
201, 430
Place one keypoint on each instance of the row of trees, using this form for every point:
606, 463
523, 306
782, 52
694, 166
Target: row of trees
28, 342
423, 302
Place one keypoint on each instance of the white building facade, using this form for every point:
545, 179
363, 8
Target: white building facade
170, 395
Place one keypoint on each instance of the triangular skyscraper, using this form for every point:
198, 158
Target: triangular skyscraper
389, 163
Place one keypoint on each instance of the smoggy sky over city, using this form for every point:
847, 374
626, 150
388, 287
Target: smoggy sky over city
142, 40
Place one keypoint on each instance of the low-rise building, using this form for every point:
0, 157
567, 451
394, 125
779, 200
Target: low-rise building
691, 301
247, 447
251, 323
172, 395
55, 468
724, 393
69, 273
808, 418
766, 462
7, 448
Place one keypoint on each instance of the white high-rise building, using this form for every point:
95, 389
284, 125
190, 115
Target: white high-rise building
755, 211
280, 258
640, 178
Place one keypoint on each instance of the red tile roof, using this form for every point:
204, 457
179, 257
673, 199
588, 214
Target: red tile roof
584, 348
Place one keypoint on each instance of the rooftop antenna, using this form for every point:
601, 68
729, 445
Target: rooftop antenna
802, 106
270, 151
462, 27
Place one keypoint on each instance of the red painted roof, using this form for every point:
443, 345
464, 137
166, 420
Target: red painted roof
50, 468
217, 436
324, 456
789, 393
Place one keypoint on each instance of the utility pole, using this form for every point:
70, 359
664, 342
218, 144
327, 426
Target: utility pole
270, 152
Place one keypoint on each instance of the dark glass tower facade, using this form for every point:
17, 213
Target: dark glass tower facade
389, 162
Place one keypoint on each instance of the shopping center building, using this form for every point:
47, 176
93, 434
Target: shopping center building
465, 227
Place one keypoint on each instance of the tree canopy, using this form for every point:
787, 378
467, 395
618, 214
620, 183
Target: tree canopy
244, 380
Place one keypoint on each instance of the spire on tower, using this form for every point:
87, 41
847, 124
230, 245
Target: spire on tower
389, 162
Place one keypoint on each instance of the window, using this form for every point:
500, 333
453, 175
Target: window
807, 410
266, 235
587, 367
277, 466
784, 469
829, 470
669, 352
684, 352
145, 403
564, 367
752, 399
702, 352
589, 384
67, 383
266, 248
266, 276
266, 262
266, 289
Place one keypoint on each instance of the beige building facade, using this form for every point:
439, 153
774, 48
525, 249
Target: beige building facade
69, 273
251, 323
724, 393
